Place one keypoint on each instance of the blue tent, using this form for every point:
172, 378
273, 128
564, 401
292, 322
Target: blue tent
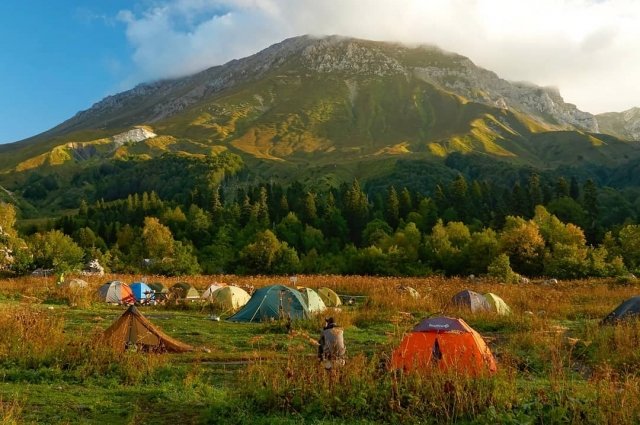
141, 291
273, 302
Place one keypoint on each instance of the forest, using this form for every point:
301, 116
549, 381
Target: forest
179, 215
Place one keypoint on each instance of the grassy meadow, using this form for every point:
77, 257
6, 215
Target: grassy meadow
555, 363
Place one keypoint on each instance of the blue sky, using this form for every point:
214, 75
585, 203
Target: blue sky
57, 57
61, 56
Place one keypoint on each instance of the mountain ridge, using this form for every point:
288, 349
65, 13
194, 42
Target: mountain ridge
309, 103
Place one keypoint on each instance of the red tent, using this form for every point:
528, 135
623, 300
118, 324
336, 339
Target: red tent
445, 343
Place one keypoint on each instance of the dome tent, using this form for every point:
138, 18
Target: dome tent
313, 300
116, 292
184, 291
211, 289
329, 297
159, 290
498, 305
273, 302
446, 343
627, 310
471, 300
142, 292
230, 298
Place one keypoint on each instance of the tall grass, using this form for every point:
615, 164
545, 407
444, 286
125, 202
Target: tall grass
32, 338
10, 412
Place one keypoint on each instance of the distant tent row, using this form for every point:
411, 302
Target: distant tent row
231, 297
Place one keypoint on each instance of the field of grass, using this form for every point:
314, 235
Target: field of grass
555, 363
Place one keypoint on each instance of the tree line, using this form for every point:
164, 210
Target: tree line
535, 227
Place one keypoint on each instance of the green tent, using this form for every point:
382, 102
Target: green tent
159, 290
330, 298
313, 300
183, 290
497, 304
273, 302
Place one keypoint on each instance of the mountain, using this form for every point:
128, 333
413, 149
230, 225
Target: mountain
327, 108
624, 125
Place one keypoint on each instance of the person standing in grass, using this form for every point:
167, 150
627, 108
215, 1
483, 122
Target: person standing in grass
331, 348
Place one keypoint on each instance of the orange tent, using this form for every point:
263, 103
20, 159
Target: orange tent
445, 343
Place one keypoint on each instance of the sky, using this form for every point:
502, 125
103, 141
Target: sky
59, 57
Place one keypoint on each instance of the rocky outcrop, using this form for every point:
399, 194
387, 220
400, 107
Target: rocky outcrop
135, 135
348, 56
625, 125
464, 78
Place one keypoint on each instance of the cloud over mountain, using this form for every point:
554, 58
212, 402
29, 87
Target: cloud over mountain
588, 48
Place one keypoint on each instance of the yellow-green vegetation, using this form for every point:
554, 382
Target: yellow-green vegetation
555, 363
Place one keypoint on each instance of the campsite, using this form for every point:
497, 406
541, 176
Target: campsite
554, 361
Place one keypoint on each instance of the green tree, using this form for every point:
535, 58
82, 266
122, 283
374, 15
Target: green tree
522, 242
629, 238
55, 250
356, 210
309, 209
392, 207
267, 255
500, 268
14, 252
157, 239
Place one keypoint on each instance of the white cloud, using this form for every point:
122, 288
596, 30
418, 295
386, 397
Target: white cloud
589, 49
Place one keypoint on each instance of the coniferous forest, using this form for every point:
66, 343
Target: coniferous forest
178, 215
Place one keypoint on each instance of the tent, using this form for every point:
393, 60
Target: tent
312, 299
75, 284
116, 292
159, 290
471, 300
183, 290
497, 304
142, 292
446, 343
407, 290
273, 302
627, 310
230, 298
132, 329
211, 289
330, 298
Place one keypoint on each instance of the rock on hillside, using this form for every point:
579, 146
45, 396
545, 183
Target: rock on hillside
135, 135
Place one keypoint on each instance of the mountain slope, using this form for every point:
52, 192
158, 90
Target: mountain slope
308, 108
625, 125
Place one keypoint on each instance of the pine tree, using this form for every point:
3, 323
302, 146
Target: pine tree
574, 189
356, 210
535, 192
591, 207
309, 210
392, 207
406, 203
562, 187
